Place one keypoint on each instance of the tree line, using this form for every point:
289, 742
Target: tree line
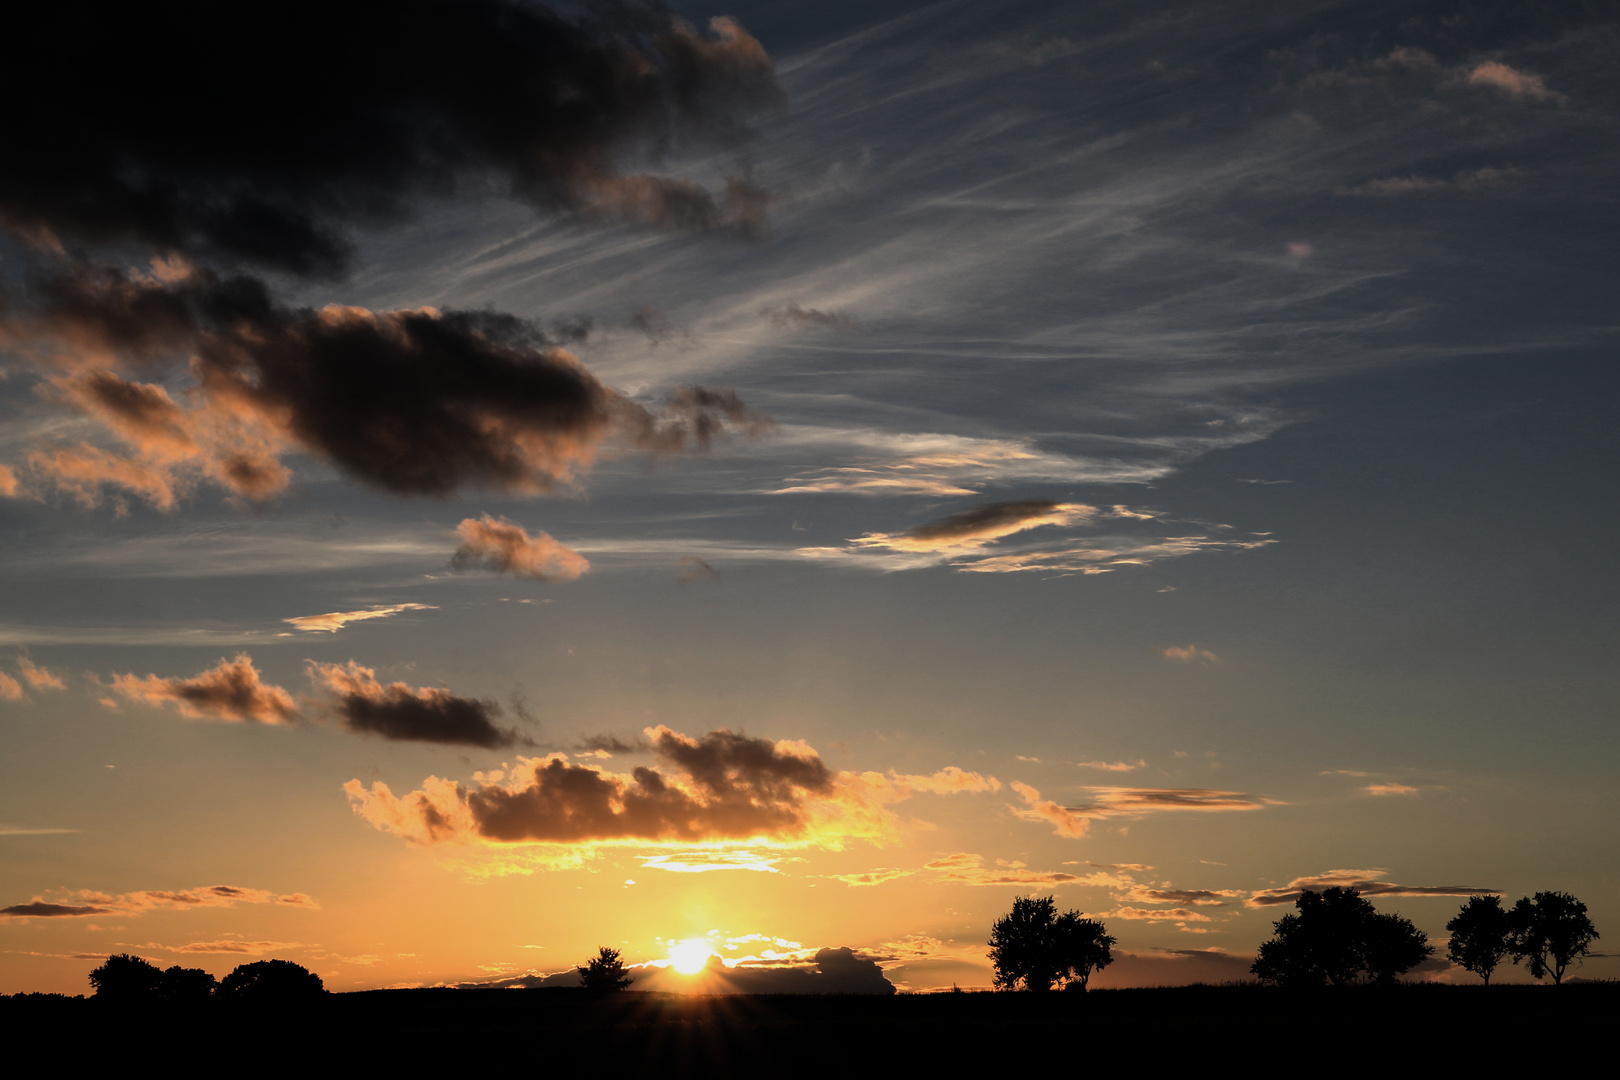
1334, 938
132, 980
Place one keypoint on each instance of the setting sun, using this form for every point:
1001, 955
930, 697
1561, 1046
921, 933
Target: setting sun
689, 957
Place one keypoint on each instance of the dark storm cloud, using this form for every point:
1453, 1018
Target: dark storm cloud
263, 133
416, 402
426, 714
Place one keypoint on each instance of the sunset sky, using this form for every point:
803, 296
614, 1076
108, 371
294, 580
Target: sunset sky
480, 485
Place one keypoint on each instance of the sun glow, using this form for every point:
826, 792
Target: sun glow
689, 957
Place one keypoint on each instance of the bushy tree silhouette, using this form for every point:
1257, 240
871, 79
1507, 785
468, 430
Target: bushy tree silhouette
271, 982
1339, 938
185, 986
1549, 933
125, 978
1480, 936
605, 972
1034, 947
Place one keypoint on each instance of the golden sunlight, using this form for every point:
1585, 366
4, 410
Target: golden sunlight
689, 957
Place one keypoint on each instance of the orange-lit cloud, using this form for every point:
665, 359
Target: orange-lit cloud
505, 548
1186, 654
965, 868
224, 947
1137, 914
333, 621
39, 678
1391, 788
1196, 897
979, 526
1511, 81
231, 691
699, 862
1112, 766
1073, 821
8, 482
86, 902
722, 789
1364, 882
395, 711
10, 689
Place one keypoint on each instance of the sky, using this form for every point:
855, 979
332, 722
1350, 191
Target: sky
795, 477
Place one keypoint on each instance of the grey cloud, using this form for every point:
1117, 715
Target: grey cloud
396, 711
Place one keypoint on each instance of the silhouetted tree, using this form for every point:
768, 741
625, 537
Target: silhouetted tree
125, 978
605, 972
1550, 932
1480, 936
1034, 947
272, 982
1337, 937
185, 986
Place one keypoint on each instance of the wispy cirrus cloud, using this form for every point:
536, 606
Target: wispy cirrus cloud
333, 621
1365, 882
1391, 788
85, 902
1107, 802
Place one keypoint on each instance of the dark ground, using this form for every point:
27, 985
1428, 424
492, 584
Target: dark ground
1460, 1029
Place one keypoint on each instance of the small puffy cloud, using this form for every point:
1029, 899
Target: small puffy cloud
505, 548
1106, 802
333, 621
979, 526
1187, 654
395, 711
231, 691
1391, 788
39, 678
1520, 84
1113, 766
1365, 882
86, 902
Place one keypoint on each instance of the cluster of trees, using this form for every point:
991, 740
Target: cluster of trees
1035, 948
1547, 934
127, 980
1338, 938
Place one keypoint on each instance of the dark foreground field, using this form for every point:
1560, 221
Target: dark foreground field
1465, 1029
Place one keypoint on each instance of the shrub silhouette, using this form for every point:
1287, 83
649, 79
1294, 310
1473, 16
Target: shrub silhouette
125, 978
1549, 933
605, 972
272, 982
1339, 938
1481, 936
1034, 947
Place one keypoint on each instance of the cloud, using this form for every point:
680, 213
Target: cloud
1520, 84
1186, 654
1396, 186
1389, 789
8, 482
39, 678
1364, 882
1074, 821
965, 868
700, 862
791, 316
86, 902
503, 547
426, 714
225, 947
874, 877
10, 689
417, 402
1136, 914
979, 526
1196, 897
333, 621
722, 789
609, 745
828, 971
231, 691
386, 111
1112, 766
